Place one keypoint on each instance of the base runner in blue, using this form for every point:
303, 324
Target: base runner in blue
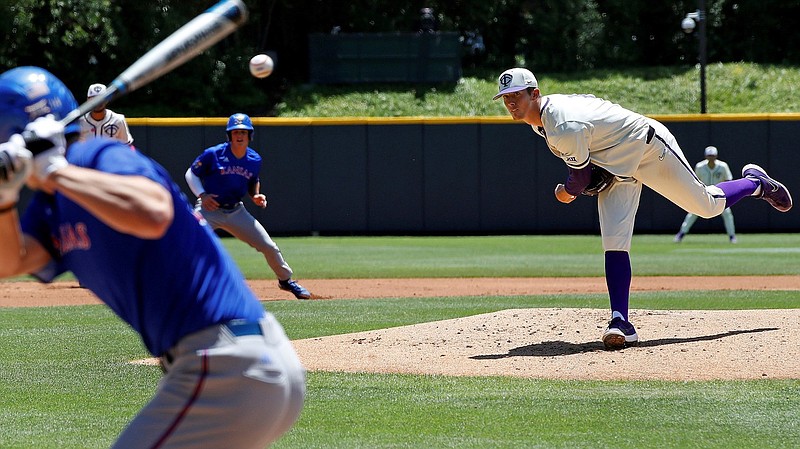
115, 219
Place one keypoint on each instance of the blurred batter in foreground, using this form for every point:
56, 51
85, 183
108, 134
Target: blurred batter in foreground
115, 219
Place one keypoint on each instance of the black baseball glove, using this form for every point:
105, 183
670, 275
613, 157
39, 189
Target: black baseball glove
601, 180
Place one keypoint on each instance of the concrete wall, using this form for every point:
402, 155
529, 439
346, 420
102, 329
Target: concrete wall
460, 176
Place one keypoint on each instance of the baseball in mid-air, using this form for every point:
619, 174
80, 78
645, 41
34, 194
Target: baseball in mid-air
261, 66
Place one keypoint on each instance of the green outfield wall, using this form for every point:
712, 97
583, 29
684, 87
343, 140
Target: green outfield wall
474, 175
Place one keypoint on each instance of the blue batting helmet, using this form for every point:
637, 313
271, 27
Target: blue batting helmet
27, 93
239, 121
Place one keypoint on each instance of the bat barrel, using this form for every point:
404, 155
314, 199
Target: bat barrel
187, 42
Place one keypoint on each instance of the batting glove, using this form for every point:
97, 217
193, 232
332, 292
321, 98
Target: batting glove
44, 137
15, 166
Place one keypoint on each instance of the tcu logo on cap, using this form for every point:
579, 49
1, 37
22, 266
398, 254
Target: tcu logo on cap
506, 79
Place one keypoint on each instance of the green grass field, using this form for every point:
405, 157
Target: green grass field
65, 380
524, 256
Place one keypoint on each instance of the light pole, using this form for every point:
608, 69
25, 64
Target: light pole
692, 20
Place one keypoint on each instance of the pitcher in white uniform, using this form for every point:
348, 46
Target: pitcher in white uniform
583, 131
711, 171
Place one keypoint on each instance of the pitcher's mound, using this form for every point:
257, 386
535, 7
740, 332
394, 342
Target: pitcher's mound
565, 344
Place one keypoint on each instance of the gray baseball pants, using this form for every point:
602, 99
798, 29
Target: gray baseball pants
727, 219
222, 390
663, 168
239, 223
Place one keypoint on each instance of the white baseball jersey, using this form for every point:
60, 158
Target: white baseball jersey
576, 125
113, 125
713, 176
581, 129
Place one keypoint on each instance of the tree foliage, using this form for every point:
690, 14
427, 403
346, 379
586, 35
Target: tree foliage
88, 41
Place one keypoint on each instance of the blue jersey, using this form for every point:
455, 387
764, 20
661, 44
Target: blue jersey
165, 288
225, 175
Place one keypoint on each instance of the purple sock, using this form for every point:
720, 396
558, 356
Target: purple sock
618, 280
737, 189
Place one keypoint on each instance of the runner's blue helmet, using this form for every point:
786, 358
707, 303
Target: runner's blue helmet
239, 121
27, 93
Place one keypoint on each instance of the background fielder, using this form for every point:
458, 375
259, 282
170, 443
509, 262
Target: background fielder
115, 219
711, 171
220, 176
103, 122
583, 131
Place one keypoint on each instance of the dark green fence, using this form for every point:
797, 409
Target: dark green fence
459, 176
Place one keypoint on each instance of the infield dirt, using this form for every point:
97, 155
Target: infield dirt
560, 343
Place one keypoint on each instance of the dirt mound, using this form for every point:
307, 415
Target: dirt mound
539, 343
565, 344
